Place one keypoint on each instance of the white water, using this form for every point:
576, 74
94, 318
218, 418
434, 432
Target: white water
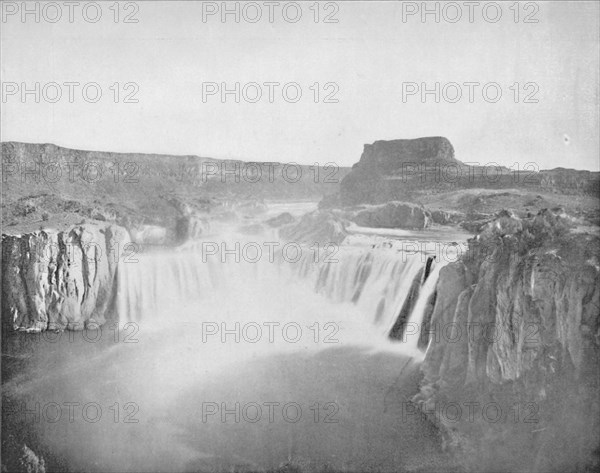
358, 291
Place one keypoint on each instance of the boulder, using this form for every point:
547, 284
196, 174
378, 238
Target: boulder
446, 217
281, 219
394, 215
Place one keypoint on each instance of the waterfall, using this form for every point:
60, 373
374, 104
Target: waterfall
377, 281
362, 289
414, 325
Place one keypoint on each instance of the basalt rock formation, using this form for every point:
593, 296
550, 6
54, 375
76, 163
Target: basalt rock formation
515, 331
56, 280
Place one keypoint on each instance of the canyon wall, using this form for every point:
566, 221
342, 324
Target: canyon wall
516, 326
56, 280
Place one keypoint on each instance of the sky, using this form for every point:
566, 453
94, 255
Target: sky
369, 68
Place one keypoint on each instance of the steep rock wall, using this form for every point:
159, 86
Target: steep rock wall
55, 280
516, 324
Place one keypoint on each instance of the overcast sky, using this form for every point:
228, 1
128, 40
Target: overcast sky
368, 54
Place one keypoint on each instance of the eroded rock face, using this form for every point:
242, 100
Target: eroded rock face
60, 280
517, 323
394, 215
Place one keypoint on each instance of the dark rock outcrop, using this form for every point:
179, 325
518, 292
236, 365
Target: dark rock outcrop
443, 217
394, 215
191, 223
516, 324
281, 219
56, 280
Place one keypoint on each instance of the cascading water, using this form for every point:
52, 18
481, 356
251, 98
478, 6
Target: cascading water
414, 324
361, 289
377, 281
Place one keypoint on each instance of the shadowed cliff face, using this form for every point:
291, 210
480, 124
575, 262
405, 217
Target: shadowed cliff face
55, 280
516, 323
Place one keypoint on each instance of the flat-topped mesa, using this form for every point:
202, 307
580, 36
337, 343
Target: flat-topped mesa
392, 157
385, 168
405, 170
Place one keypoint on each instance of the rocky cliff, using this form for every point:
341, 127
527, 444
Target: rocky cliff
56, 280
514, 340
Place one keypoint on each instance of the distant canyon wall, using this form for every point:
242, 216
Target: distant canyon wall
31, 168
